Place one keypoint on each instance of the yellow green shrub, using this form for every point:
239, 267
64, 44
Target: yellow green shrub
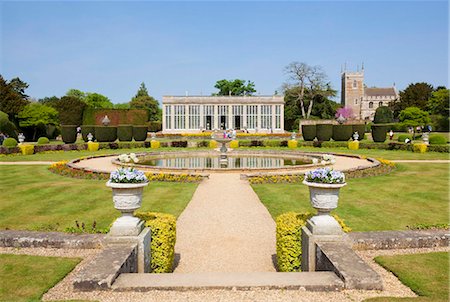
163, 233
26, 149
234, 144
155, 144
420, 148
93, 146
292, 144
353, 145
212, 144
289, 240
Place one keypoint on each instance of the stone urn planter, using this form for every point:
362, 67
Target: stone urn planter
324, 197
127, 198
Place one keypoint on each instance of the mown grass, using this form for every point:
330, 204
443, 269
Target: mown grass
426, 274
33, 198
413, 194
27, 278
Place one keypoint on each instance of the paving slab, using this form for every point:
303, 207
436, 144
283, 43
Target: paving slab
316, 281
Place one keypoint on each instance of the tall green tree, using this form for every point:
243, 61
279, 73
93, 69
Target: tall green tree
234, 87
19, 86
142, 100
383, 115
439, 101
310, 81
37, 115
70, 110
96, 100
415, 95
414, 116
76, 93
12, 97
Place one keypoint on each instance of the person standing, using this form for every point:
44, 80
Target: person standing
391, 134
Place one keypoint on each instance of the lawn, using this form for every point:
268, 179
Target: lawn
426, 274
413, 194
33, 198
27, 278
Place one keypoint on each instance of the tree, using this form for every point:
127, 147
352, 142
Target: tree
76, 93
415, 95
438, 103
96, 100
70, 110
383, 115
414, 116
122, 106
311, 81
19, 86
49, 101
37, 115
142, 100
11, 99
234, 87
346, 112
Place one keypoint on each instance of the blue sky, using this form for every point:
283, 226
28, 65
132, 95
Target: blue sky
174, 47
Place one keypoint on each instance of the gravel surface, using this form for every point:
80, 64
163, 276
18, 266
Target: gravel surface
64, 289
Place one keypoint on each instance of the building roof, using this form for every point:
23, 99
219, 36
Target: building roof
219, 100
375, 91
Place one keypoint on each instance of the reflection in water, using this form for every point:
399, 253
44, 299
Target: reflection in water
242, 162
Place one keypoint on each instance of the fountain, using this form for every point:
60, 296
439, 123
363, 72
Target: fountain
223, 149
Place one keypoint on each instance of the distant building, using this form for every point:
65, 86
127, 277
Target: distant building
363, 100
198, 113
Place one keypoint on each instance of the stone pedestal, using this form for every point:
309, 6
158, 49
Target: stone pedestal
143, 241
127, 226
321, 228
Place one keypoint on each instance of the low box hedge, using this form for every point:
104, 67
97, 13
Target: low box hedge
292, 144
43, 140
106, 133
309, 132
69, 133
402, 137
379, 133
342, 133
140, 133
324, 132
125, 133
437, 139
155, 144
10, 142
163, 234
85, 130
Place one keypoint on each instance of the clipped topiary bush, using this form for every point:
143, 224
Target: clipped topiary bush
437, 139
353, 145
163, 235
212, 144
234, 144
324, 132
26, 149
10, 142
402, 137
292, 144
308, 132
125, 133
93, 146
154, 126
379, 133
342, 133
155, 144
69, 133
105, 133
383, 115
43, 141
85, 130
140, 133
420, 148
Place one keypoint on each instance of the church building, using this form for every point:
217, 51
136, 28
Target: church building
361, 99
206, 113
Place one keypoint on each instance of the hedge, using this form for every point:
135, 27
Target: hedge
420, 147
379, 133
402, 137
179, 144
213, 144
163, 238
289, 239
155, 144
308, 132
93, 116
353, 145
140, 133
85, 130
234, 144
324, 132
93, 146
154, 126
125, 133
106, 133
10, 142
437, 139
26, 149
69, 133
292, 144
342, 133
43, 141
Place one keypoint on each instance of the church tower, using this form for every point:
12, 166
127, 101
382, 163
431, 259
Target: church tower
352, 91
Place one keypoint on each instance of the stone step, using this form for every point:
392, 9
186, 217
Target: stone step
311, 281
340, 258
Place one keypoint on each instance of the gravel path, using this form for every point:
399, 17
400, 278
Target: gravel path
225, 228
64, 289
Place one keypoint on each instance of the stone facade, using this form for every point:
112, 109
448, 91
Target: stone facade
363, 100
198, 113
